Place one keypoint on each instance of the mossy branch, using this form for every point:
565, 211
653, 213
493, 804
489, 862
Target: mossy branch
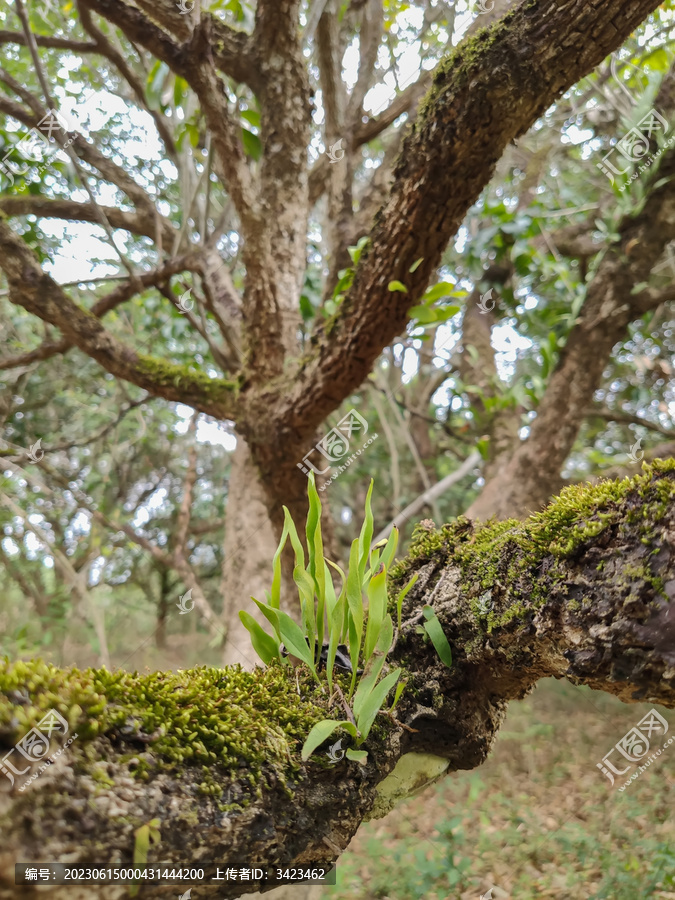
583, 591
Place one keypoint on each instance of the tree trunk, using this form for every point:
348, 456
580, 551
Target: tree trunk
250, 543
584, 590
162, 609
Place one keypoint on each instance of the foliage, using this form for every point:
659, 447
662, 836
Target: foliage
342, 616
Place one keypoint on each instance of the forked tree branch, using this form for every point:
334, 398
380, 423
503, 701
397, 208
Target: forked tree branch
39, 294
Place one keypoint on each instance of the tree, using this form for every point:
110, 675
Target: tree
582, 590
228, 91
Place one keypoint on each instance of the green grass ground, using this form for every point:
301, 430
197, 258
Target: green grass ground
538, 820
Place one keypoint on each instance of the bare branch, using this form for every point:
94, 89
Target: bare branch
143, 223
430, 496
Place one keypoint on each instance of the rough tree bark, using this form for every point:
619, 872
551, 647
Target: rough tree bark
583, 590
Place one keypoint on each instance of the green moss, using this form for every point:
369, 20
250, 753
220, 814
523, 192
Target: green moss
202, 716
457, 65
497, 556
171, 374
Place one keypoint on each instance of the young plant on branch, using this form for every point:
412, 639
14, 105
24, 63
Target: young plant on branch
334, 623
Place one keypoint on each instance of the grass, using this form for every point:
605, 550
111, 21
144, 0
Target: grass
538, 820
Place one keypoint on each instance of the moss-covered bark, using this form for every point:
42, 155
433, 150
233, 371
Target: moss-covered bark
584, 590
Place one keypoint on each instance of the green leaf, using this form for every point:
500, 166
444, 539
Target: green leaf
435, 631
155, 82
271, 614
401, 598
335, 629
355, 602
373, 703
390, 549
355, 252
400, 687
320, 732
359, 756
252, 144
179, 90
331, 596
264, 644
366, 535
374, 667
251, 116
397, 286
377, 609
305, 585
425, 315
275, 593
316, 565
416, 265
442, 289
294, 640
295, 540
141, 845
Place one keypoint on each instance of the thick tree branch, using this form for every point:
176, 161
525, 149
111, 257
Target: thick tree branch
583, 591
274, 252
144, 223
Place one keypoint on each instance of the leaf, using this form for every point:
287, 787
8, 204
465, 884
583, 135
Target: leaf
251, 116
400, 687
335, 621
377, 609
355, 252
425, 315
397, 286
305, 585
264, 644
331, 596
275, 593
359, 756
320, 732
416, 265
374, 702
316, 565
295, 540
374, 667
355, 603
366, 535
402, 596
435, 631
252, 144
271, 614
294, 640
155, 82
390, 549
442, 289
143, 837
141, 845
179, 90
